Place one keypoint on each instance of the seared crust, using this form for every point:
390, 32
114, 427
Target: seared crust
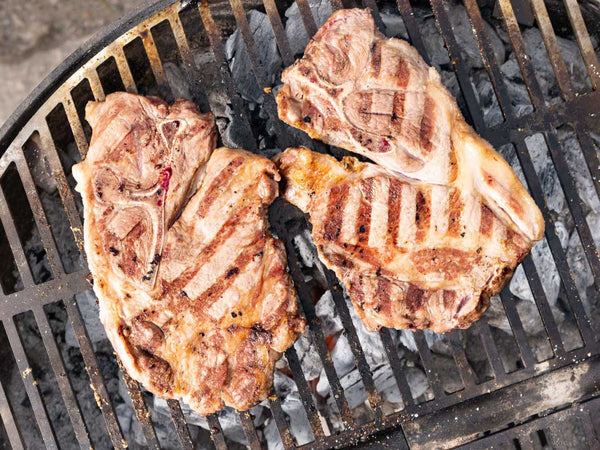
192, 287
390, 242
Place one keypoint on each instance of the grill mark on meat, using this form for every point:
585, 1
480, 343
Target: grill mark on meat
335, 212
363, 220
449, 296
394, 205
427, 124
207, 252
402, 74
376, 59
456, 206
414, 298
356, 291
226, 280
384, 298
398, 112
450, 262
365, 106
219, 183
422, 214
487, 221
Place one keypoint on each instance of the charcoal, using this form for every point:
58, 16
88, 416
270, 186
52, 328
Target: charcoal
330, 320
294, 27
239, 61
578, 263
308, 356
89, 310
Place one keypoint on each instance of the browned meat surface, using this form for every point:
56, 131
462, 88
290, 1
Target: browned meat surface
193, 289
425, 236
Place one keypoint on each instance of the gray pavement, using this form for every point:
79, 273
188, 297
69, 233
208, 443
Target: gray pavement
36, 35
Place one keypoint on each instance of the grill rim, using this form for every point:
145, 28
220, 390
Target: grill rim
61, 74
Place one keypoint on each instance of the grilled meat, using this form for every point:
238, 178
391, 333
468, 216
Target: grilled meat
193, 289
424, 237
374, 96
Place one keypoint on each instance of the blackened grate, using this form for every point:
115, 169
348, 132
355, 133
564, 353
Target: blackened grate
525, 403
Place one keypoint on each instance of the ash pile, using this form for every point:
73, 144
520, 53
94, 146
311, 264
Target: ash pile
232, 134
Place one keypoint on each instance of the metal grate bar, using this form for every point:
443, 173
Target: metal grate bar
307, 17
64, 189
15, 245
305, 393
139, 407
314, 326
543, 306
408, 17
38, 214
64, 384
97, 383
156, 64
464, 368
508, 302
194, 78
183, 432
430, 368
592, 158
558, 253
553, 50
33, 393
124, 70
8, 420
520, 51
394, 359
454, 53
280, 36
232, 95
490, 349
280, 421
76, 126
259, 72
249, 430
584, 41
372, 4
216, 432
95, 85
350, 331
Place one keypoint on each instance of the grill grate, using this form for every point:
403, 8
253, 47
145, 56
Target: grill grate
537, 396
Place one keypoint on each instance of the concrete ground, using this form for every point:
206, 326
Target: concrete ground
36, 35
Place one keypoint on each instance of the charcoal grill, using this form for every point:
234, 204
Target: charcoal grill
524, 406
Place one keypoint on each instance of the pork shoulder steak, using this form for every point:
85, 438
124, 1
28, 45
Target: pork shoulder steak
423, 238
193, 289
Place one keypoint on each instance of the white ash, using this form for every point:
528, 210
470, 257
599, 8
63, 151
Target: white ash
308, 356
394, 25
407, 339
292, 406
330, 320
294, 27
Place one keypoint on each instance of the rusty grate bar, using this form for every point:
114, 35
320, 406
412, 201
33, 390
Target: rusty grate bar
508, 302
217, 49
430, 368
280, 421
249, 431
464, 368
350, 331
139, 407
183, 433
396, 364
408, 17
307, 18
216, 432
33, 392
282, 41
76, 126
64, 384
490, 349
305, 393
314, 326
584, 41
